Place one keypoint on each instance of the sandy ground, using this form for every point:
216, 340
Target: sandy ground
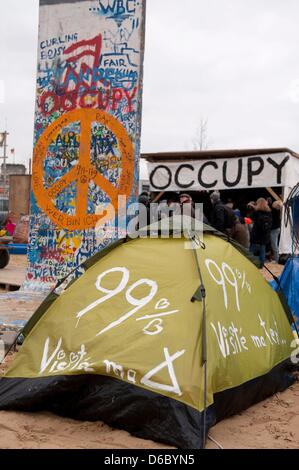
18, 261
272, 424
16, 306
48, 431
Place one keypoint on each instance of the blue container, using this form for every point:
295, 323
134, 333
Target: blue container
17, 249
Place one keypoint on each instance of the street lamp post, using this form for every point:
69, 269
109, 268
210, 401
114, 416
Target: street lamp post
3, 143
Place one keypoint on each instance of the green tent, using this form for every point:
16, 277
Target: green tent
160, 336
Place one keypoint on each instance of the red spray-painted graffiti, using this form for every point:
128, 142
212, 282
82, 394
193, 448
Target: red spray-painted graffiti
106, 100
78, 84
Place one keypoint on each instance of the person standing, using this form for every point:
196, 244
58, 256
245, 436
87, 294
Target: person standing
275, 229
240, 233
261, 230
187, 205
222, 216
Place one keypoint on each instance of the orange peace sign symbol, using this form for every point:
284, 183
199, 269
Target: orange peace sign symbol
84, 171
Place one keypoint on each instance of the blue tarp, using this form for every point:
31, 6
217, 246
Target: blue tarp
289, 281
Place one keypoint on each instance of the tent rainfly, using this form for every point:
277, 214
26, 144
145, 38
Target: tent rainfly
162, 337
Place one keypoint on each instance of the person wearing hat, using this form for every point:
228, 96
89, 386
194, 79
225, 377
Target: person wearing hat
222, 216
187, 205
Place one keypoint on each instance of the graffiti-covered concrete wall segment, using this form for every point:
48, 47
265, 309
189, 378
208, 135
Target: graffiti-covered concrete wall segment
87, 129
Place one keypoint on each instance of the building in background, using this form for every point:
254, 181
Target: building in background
19, 195
12, 170
144, 186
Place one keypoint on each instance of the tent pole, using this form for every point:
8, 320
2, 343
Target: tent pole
200, 295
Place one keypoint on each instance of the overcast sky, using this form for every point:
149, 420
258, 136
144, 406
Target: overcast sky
233, 62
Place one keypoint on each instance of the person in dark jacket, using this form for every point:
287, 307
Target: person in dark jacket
276, 208
144, 212
222, 216
261, 230
240, 233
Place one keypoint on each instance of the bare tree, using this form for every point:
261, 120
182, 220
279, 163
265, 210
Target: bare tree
200, 141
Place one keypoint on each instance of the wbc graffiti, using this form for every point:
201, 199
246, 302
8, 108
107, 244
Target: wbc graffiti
87, 129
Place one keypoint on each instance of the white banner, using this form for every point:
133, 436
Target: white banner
256, 171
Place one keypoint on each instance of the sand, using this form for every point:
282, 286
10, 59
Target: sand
48, 431
271, 424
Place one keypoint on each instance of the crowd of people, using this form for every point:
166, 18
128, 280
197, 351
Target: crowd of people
257, 227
